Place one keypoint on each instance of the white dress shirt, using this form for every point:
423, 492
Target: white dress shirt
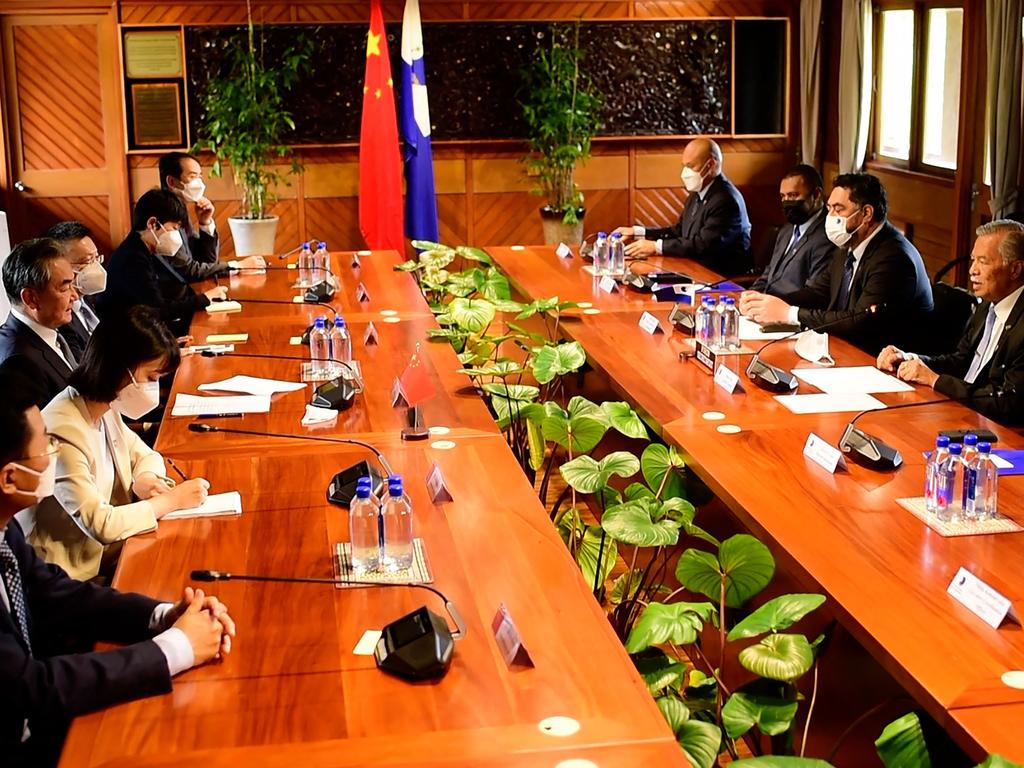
48, 335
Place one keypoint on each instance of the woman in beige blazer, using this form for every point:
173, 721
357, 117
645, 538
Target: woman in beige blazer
110, 484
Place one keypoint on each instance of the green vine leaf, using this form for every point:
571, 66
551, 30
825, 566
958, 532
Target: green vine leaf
550, 362
677, 623
778, 657
472, 315
770, 714
590, 551
577, 434
744, 562
588, 476
777, 614
780, 761
624, 419
674, 711
631, 523
512, 391
660, 671
657, 461
701, 742
902, 744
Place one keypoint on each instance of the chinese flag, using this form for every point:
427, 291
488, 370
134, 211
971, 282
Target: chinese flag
417, 385
380, 163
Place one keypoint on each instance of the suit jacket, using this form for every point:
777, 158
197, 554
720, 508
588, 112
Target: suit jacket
1001, 382
890, 273
789, 272
47, 369
138, 276
50, 687
72, 527
714, 231
198, 257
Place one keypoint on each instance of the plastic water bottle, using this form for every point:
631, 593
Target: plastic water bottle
702, 321
947, 506
730, 324
616, 256
305, 266
340, 345
321, 262
601, 254
364, 530
970, 448
320, 349
931, 477
715, 322
397, 514
981, 484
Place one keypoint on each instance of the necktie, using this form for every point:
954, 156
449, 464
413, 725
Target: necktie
843, 297
65, 349
979, 353
793, 241
15, 592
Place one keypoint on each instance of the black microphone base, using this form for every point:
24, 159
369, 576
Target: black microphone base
869, 451
417, 646
337, 394
342, 487
322, 291
771, 378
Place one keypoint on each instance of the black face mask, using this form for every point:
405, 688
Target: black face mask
796, 211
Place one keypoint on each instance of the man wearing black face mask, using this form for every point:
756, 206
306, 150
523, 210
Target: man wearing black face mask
802, 249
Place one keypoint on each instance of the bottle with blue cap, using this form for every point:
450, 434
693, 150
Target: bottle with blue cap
341, 345
396, 512
321, 262
947, 506
305, 266
320, 350
616, 255
931, 473
981, 485
601, 255
730, 338
364, 529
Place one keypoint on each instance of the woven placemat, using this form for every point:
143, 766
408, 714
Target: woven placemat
419, 573
999, 524
355, 375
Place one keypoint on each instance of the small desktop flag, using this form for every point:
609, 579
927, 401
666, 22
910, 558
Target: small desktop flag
420, 199
417, 386
380, 164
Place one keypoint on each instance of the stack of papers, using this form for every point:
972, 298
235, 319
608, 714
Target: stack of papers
252, 385
859, 379
223, 306
216, 504
197, 405
830, 403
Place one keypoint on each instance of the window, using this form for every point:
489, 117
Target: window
917, 96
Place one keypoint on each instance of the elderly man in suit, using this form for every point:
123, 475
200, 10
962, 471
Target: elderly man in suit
713, 229
989, 361
90, 278
40, 284
875, 288
802, 249
45, 681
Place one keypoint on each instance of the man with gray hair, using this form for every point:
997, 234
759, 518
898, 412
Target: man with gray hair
988, 364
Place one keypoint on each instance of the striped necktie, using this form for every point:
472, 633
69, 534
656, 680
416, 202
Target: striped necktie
15, 592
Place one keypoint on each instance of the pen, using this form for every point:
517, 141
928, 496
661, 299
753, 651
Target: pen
177, 469
219, 416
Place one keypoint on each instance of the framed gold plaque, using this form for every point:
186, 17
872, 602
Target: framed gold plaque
156, 115
153, 53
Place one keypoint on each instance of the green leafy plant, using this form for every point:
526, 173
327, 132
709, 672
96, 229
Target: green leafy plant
246, 118
562, 113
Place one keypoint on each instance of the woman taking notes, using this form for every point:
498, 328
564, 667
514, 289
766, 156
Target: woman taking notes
110, 484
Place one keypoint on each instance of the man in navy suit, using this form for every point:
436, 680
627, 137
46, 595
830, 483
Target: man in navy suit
40, 285
713, 229
989, 361
802, 249
875, 288
90, 278
45, 614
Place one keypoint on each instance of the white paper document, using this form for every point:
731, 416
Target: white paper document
859, 379
223, 306
751, 331
252, 385
216, 505
198, 405
830, 403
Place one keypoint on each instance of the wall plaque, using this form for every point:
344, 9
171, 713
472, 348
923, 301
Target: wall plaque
156, 114
153, 54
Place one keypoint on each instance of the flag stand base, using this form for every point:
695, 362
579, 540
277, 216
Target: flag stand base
416, 430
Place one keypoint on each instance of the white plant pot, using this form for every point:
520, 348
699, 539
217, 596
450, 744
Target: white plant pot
253, 237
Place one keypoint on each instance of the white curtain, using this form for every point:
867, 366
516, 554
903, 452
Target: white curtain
1003, 35
855, 75
810, 78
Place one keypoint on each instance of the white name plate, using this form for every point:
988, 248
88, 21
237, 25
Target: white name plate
824, 454
727, 379
397, 395
650, 324
362, 295
370, 337
608, 284
436, 486
563, 251
979, 598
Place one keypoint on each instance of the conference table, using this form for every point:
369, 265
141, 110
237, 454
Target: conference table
293, 691
885, 572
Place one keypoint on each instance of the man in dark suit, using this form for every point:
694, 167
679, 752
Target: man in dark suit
989, 361
713, 229
802, 249
39, 283
199, 255
140, 271
873, 267
41, 607
90, 278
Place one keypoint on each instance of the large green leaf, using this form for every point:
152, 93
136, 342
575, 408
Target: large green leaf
429, 245
498, 369
472, 315
777, 614
677, 623
998, 761
770, 714
902, 744
512, 391
579, 434
780, 761
625, 586
550, 362
588, 476
474, 253
701, 742
778, 657
507, 305
581, 406
658, 460
674, 711
535, 443
744, 562
660, 671
508, 410
623, 419
631, 523
493, 285
590, 550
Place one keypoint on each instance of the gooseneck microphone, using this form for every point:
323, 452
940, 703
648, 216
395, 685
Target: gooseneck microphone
417, 646
337, 393
775, 379
286, 302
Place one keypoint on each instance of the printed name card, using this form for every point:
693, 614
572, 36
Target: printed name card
727, 379
370, 337
397, 395
293, 266
436, 486
650, 324
824, 454
300, 299
979, 598
507, 637
608, 284
705, 355
563, 251
362, 295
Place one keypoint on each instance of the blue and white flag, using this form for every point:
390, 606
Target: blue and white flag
420, 199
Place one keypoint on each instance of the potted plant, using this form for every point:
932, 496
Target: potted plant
245, 123
561, 110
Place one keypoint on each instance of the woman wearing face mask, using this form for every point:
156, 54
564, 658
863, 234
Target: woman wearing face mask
109, 484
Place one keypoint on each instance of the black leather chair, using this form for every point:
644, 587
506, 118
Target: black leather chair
953, 308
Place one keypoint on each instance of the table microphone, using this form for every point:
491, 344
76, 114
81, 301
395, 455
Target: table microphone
342, 487
874, 453
287, 302
297, 248
417, 646
337, 393
775, 379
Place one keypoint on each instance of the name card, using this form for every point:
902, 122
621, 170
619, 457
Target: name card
608, 284
727, 379
824, 454
300, 299
356, 264
979, 598
293, 266
508, 639
436, 486
367, 643
563, 251
705, 355
370, 337
650, 324
227, 338
397, 395
682, 320
362, 295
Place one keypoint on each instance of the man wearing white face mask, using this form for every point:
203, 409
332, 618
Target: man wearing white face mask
198, 257
140, 271
90, 278
713, 229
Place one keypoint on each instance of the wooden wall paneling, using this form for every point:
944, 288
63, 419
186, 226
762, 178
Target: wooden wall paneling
688, 9
506, 218
453, 222
659, 207
287, 229
501, 9
606, 209
335, 219
203, 12
92, 211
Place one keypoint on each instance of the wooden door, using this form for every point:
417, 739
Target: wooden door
63, 125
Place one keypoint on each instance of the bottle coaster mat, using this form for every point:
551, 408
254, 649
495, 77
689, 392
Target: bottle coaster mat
419, 573
998, 524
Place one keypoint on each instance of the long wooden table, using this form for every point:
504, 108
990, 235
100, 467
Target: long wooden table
292, 692
885, 573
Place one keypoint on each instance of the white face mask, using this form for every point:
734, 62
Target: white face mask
168, 242
813, 347
692, 181
91, 279
136, 400
47, 479
835, 230
193, 191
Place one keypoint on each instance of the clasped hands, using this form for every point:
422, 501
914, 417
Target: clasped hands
205, 622
912, 369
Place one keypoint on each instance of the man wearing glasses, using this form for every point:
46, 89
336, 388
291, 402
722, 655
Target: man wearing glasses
90, 278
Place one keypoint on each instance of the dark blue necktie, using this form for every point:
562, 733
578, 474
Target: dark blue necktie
15, 592
843, 297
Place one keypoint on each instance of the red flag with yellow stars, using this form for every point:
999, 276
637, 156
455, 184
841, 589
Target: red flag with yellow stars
380, 163
415, 380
